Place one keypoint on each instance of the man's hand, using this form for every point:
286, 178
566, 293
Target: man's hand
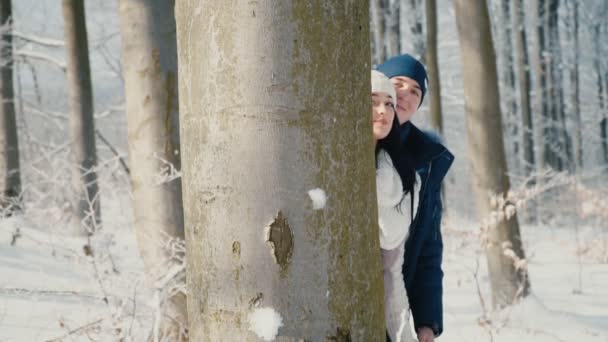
425, 334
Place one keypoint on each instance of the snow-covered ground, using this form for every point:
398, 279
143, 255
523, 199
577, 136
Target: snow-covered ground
49, 289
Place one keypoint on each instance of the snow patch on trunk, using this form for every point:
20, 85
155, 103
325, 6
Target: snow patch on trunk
265, 323
318, 198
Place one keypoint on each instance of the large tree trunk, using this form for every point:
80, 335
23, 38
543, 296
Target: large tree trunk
574, 81
10, 177
378, 8
485, 141
149, 59
82, 123
521, 53
393, 32
539, 66
268, 113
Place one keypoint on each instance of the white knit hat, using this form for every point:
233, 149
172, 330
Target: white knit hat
381, 83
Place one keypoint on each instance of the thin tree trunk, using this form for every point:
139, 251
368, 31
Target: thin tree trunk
485, 140
574, 81
258, 132
434, 79
82, 124
538, 64
149, 59
414, 11
393, 39
560, 156
521, 52
433, 66
379, 30
10, 179
508, 79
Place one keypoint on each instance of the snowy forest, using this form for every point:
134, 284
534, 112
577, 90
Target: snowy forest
175, 170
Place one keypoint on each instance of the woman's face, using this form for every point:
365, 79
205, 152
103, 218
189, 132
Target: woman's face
383, 114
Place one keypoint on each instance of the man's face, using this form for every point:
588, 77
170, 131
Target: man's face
409, 95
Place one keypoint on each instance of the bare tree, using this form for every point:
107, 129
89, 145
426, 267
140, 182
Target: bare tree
559, 150
82, 123
602, 78
393, 32
539, 66
523, 77
574, 81
149, 59
507, 73
377, 9
433, 66
486, 147
262, 136
414, 23
10, 178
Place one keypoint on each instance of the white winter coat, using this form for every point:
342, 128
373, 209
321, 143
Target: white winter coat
394, 228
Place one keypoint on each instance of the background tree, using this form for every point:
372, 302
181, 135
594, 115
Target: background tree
486, 148
377, 10
504, 37
522, 66
538, 64
393, 32
149, 59
433, 66
82, 123
575, 85
413, 29
10, 177
267, 113
558, 152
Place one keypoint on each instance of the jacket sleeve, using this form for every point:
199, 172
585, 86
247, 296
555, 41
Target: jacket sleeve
426, 292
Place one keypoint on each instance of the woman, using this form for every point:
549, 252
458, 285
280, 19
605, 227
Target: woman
396, 188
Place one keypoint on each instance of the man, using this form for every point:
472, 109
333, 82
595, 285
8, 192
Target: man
422, 272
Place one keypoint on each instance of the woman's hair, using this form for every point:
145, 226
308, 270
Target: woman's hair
401, 161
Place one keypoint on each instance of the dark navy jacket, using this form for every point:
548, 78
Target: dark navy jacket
424, 247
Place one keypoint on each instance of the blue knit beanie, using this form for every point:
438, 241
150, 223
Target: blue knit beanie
408, 66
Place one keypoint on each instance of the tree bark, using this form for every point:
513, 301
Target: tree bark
486, 147
268, 113
523, 76
10, 179
149, 59
82, 123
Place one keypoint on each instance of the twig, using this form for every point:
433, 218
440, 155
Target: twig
21, 291
38, 40
77, 330
36, 55
107, 143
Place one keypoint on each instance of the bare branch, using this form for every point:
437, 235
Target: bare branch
38, 40
40, 56
120, 158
